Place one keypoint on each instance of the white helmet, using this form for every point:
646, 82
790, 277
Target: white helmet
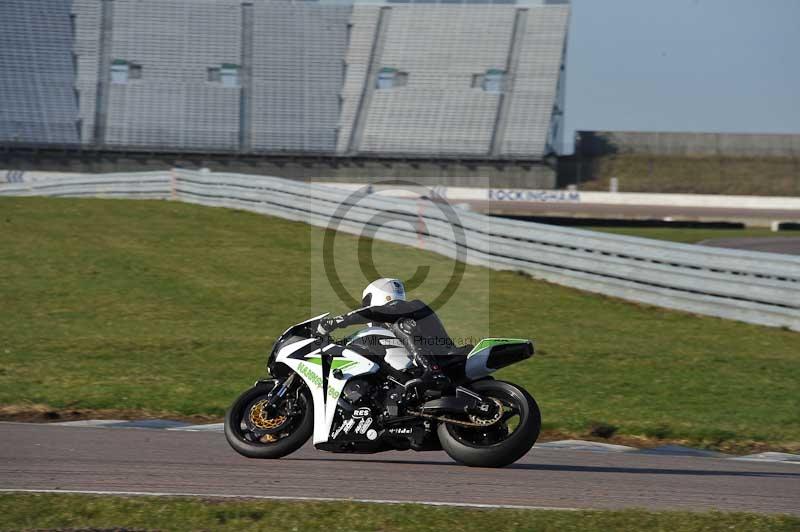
382, 291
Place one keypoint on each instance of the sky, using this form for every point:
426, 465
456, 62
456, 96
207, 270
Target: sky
683, 65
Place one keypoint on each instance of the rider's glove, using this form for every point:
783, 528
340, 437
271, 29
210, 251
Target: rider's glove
326, 326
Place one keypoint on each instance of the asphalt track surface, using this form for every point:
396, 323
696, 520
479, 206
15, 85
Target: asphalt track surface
785, 245
48, 457
600, 210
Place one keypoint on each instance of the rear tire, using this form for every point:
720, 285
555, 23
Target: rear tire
300, 430
506, 451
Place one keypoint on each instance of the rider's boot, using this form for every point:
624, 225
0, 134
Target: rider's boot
428, 374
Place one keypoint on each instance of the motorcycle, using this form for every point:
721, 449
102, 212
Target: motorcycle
356, 396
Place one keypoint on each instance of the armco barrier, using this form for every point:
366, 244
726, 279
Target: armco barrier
761, 288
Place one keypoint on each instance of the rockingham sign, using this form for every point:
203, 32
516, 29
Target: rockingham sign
470, 193
713, 201
560, 196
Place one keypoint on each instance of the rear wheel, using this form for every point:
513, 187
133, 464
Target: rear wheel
257, 431
499, 441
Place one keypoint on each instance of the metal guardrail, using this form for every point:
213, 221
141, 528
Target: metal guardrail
755, 287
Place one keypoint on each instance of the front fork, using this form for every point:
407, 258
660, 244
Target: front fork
277, 392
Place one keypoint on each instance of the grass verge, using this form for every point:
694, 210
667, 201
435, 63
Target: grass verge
171, 308
694, 235
73, 511
752, 176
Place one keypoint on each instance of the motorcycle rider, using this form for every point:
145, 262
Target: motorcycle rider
414, 323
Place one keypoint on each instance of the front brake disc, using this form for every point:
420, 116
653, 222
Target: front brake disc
262, 421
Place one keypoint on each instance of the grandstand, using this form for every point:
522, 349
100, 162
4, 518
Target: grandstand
162, 97
37, 78
443, 81
297, 71
437, 108
484, 86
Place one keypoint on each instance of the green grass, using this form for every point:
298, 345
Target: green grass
694, 235
765, 176
51, 511
170, 309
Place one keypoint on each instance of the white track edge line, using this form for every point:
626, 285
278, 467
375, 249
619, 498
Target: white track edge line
290, 498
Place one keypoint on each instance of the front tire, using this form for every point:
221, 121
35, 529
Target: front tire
284, 438
500, 444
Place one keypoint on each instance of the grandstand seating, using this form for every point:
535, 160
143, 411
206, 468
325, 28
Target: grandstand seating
297, 75
88, 15
37, 83
441, 47
535, 81
364, 23
174, 104
301, 77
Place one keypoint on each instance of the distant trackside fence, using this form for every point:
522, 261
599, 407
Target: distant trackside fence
754, 287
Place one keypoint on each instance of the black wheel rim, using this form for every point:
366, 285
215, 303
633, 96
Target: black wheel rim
253, 435
512, 420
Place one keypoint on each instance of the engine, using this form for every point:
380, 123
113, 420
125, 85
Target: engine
363, 407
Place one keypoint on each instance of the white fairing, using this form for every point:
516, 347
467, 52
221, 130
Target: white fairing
309, 368
396, 355
315, 318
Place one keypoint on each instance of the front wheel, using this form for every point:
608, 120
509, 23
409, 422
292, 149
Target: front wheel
257, 431
498, 443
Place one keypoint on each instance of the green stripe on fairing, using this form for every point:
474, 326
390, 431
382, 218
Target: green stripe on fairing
335, 364
489, 342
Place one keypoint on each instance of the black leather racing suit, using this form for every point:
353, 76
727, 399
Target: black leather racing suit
414, 323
